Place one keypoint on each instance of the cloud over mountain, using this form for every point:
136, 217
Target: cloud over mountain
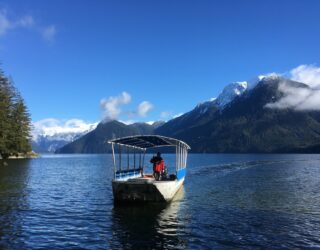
52, 127
297, 97
308, 74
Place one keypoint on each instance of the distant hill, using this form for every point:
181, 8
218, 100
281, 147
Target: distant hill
95, 141
44, 141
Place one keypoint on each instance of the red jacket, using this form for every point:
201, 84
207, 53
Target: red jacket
159, 166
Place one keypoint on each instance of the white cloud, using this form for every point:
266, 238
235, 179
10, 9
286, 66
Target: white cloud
143, 108
300, 98
297, 98
308, 74
52, 126
165, 115
49, 33
127, 122
27, 22
111, 106
5, 23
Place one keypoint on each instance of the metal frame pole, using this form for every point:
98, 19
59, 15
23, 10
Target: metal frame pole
176, 157
120, 157
180, 163
114, 161
134, 159
128, 160
180, 154
144, 153
186, 156
183, 157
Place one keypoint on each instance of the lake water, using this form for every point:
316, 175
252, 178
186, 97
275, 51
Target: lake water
228, 201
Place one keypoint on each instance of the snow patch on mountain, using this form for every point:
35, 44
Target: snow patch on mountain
252, 83
55, 129
230, 92
233, 90
50, 134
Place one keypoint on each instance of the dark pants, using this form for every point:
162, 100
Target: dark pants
156, 176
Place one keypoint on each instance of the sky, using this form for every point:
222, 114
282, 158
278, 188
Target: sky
82, 61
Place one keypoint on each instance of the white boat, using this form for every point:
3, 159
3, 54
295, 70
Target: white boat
131, 184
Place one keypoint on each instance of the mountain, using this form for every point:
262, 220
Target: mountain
48, 140
95, 141
245, 123
49, 144
205, 111
263, 115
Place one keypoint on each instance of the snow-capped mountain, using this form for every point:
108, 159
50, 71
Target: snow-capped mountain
50, 134
204, 111
269, 114
207, 110
230, 92
95, 141
247, 117
233, 90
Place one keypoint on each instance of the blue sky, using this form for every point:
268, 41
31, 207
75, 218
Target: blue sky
69, 58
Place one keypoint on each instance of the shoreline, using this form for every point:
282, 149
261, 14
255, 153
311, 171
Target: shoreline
30, 155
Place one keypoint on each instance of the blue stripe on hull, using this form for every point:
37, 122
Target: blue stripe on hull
181, 174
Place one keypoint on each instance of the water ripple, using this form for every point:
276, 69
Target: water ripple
228, 201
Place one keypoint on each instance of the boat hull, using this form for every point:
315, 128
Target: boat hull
141, 190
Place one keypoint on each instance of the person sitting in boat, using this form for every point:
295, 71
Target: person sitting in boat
158, 166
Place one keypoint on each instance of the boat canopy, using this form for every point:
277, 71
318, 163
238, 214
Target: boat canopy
148, 141
130, 167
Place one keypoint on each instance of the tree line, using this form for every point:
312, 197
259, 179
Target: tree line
15, 122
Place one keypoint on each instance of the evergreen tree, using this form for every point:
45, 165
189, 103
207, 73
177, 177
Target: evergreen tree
20, 127
6, 99
15, 122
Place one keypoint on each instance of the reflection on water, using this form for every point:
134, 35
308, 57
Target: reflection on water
149, 226
227, 201
14, 201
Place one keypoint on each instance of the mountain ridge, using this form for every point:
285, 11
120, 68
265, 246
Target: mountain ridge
242, 123
248, 126
95, 141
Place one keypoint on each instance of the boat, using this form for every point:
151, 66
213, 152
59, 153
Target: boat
131, 184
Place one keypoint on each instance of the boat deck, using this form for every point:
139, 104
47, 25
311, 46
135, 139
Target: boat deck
147, 178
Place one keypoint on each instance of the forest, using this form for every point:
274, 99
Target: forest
15, 121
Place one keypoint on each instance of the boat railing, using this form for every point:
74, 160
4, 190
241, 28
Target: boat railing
126, 167
181, 160
127, 174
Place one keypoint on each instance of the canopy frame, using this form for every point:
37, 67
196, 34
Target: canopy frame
140, 144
